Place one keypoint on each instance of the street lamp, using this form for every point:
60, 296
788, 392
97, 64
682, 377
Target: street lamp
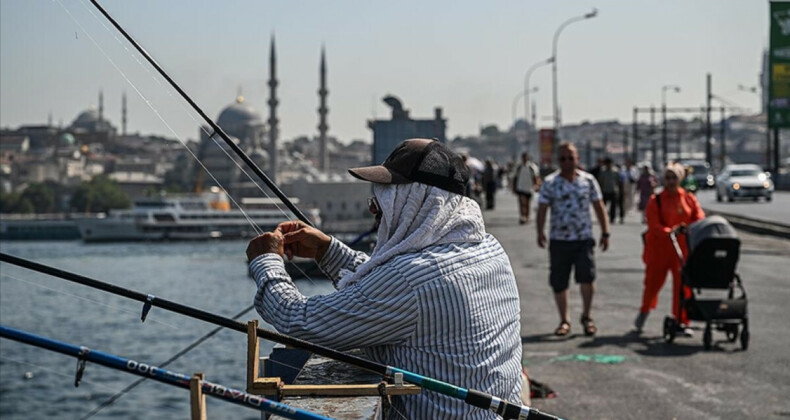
524, 94
664, 147
527, 90
554, 66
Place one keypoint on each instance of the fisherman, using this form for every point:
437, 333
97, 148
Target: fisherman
436, 296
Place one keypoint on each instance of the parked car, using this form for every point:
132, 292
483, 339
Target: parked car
744, 181
701, 173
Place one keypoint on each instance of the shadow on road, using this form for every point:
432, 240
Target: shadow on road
649, 346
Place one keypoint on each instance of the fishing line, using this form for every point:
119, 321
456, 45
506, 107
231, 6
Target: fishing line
136, 313
212, 136
148, 103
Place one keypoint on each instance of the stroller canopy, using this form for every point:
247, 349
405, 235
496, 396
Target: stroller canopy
711, 227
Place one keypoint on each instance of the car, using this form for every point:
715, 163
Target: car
744, 181
701, 173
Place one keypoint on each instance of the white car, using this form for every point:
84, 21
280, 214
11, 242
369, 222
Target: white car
743, 181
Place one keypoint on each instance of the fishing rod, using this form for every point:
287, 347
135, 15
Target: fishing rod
159, 374
214, 126
472, 397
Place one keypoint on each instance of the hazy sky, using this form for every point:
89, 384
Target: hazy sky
468, 57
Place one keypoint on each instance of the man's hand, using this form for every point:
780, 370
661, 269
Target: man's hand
604, 243
542, 240
268, 243
304, 241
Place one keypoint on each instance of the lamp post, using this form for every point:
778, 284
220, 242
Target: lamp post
525, 95
764, 108
554, 68
527, 90
664, 147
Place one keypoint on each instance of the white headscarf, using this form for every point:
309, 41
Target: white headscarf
414, 217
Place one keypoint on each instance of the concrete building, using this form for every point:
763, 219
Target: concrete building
388, 133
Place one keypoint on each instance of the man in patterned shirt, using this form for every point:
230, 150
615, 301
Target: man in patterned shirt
570, 192
437, 296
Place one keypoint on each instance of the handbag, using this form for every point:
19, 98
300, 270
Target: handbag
660, 218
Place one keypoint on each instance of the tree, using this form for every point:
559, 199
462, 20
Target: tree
40, 197
14, 203
100, 194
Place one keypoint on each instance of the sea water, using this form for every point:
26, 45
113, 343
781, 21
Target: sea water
36, 383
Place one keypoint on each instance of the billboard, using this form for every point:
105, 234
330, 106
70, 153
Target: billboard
546, 136
779, 66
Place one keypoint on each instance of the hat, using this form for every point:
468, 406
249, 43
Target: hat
419, 160
677, 169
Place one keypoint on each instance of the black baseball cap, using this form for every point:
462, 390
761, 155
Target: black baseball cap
419, 160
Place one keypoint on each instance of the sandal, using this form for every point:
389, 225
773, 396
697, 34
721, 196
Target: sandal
563, 330
589, 326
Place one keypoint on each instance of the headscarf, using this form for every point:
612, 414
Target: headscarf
677, 169
416, 216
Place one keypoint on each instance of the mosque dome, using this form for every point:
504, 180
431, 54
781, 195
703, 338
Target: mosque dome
87, 118
260, 157
66, 139
238, 114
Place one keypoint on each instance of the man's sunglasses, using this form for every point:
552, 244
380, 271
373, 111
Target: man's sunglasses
565, 158
373, 206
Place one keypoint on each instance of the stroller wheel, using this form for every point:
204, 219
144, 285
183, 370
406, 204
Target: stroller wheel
732, 333
707, 338
669, 329
745, 335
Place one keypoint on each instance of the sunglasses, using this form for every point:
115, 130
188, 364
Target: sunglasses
565, 158
373, 206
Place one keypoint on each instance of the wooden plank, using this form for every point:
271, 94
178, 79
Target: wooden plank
252, 353
197, 400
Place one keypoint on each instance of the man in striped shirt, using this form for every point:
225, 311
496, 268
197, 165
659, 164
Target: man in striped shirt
437, 296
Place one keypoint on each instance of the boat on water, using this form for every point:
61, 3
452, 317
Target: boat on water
39, 226
194, 216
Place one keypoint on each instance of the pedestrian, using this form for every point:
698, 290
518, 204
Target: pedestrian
526, 180
609, 180
645, 185
570, 192
689, 183
597, 168
627, 179
490, 183
668, 211
437, 295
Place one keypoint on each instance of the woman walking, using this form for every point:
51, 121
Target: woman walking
666, 212
645, 185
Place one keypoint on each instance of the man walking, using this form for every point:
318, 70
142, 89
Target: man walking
609, 180
525, 181
570, 192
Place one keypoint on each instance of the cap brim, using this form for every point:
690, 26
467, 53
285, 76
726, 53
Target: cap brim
378, 174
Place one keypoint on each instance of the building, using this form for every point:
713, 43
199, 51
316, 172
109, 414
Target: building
388, 133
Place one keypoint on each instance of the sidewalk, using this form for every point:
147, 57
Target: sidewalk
619, 376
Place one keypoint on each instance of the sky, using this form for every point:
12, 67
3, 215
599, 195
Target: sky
467, 57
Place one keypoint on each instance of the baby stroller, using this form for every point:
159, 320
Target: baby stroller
714, 249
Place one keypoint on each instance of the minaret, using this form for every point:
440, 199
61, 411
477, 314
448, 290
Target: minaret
49, 119
123, 114
322, 111
273, 112
101, 105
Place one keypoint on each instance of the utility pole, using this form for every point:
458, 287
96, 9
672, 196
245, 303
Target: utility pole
653, 151
708, 128
723, 147
635, 138
605, 144
625, 145
664, 133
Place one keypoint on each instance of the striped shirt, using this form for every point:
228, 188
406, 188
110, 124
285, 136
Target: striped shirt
450, 312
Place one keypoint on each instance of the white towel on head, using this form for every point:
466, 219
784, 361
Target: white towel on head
416, 216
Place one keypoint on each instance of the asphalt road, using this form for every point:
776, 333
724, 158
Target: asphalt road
617, 375
777, 210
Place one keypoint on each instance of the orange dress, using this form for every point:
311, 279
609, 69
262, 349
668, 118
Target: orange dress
659, 255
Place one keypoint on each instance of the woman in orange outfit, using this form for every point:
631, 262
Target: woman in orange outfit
677, 208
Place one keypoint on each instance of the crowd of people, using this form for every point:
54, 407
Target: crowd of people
437, 294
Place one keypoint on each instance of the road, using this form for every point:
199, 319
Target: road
778, 210
647, 378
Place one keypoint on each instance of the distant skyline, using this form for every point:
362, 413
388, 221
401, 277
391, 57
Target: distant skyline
467, 57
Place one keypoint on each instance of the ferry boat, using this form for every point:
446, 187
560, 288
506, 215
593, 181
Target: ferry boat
200, 216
